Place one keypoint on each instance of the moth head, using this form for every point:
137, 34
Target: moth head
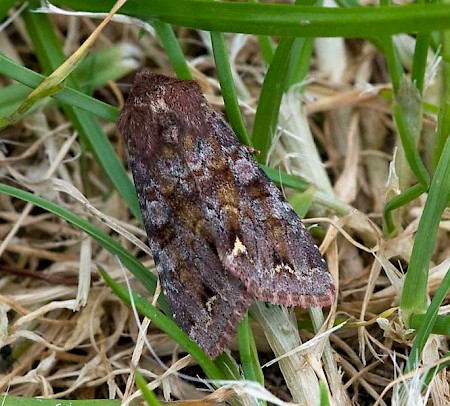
160, 112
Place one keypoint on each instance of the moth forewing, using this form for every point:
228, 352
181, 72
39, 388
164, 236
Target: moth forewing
220, 232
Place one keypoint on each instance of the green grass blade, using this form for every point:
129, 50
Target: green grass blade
266, 117
413, 299
408, 118
441, 324
11, 96
444, 116
227, 366
299, 64
427, 324
227, 86
266, 45
284, 179
324, 398
173, 50
267, 48
420, 60
281, 19
443, 129
282, 72
5, 6
147, 394
394, 65
248, 353
301, 202
396, 202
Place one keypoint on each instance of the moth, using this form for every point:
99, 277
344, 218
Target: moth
221, 234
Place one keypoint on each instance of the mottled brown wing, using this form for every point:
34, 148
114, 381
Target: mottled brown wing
257, 234
207, 302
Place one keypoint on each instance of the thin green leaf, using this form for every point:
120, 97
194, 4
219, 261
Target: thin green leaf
441, 324
267, 48
396, 202
281, 19
427, 324
324, 399
300, 61
5, 6
147, 394
444, 116
413, 299
301, 202
173, 50
248, 353
266, 45
420, 60
266, 117
408, 119
227, 86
